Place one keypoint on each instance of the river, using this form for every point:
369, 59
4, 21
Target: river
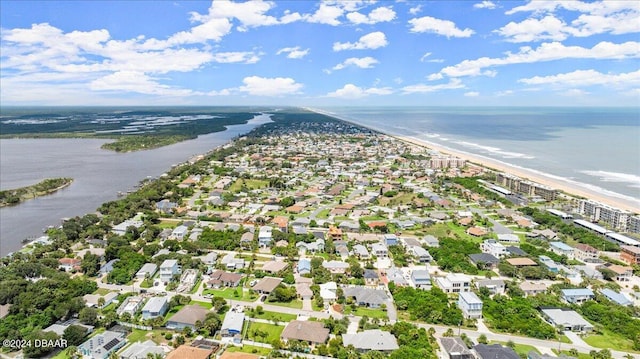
98, 176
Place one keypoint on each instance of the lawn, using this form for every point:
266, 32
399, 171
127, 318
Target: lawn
228, 293
102, 291
281, 317
371, 313
324, 214
250, 184
249, 349
609, 340
566, 352
273, 332
138, 335
202, 304
296, 303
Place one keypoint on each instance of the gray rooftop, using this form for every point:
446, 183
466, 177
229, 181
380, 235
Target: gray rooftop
375, 339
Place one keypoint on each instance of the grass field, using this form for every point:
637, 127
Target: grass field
273, 332
281, 317
228, 293
101, 291
609, 340
202, 304
249, 349
371, 313
296, 303
521, 349
250, 184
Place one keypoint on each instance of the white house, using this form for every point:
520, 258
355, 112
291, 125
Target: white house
470, 305
454, 283
168, 269
493, 247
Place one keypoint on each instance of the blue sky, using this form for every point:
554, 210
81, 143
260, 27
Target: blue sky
327, 53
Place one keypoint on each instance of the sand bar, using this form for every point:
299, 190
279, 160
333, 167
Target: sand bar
569, 187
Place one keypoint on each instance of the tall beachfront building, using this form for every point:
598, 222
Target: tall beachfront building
613, 217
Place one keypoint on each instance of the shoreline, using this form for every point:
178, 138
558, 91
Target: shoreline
573, 190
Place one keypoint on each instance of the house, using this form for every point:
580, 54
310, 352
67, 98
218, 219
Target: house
336, 266
312, 247
102, 345
470, 305
477, 231
630, 254
521, 262
566, 319
484, 260
495, 351
130, 305
588, 272
561, 249
623, 274
431, 241
108, 267
550, 264
188, 352
210, 259
616, 297
221, 278
584, 252
274, 266
187, 317
420, 254
508, 238
495, 286
92, 300
396, 276
371, 277
335, 233
179, 232
232, 324
361, 251
265, 236
454, 283
168, 269
304, 266
307, 331
231, 262
147, 271
515, 251
374, 339
246, 240
533, 288
328, 291
390, 239
367, 297
165, 206
266, 285
69, 264
143, 350
421, 279
493, 247
303, 290
379, 250
455, 348
577, 296
155, 307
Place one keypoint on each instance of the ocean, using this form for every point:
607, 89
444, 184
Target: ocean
594, 148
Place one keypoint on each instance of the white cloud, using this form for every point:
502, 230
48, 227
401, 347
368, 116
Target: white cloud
615, 17
372, 40
441, 27
472, 94
425, 58
422, 88
264, 86
415, 10
363, 63
485, 5
293, 52
351, 91
547, 28
247, 57
132, 81
545, 52
381, 14
586, 78
326, 14
574, 93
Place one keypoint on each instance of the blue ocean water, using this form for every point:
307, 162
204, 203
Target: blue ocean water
594, 148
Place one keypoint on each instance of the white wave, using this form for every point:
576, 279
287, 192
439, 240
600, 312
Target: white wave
496, 150
633, 180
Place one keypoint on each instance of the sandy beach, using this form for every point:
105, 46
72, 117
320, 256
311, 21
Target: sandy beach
565, 186
569, 187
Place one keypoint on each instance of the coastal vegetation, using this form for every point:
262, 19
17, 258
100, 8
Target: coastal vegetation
133, 128
48, 186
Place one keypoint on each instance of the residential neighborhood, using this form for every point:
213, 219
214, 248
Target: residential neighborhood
325, 239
